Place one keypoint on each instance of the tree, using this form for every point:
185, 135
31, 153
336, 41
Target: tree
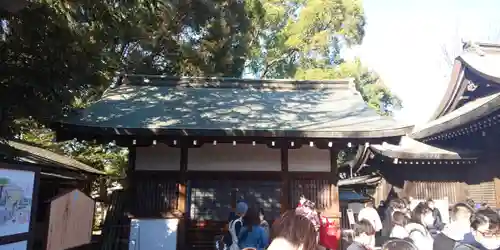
303, 39
374, 93
61, 55
303, 34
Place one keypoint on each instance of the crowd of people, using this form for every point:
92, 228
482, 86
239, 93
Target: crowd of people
398, 226
248, 230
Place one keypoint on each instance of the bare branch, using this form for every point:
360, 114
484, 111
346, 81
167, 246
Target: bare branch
276, 60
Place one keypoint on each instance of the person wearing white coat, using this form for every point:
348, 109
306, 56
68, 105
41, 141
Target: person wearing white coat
370, 214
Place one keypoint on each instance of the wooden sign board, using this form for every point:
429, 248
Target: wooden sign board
70, 221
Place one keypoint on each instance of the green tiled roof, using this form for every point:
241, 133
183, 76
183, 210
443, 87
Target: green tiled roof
194, 106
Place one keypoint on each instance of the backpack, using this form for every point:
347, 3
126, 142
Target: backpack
234, 236
464, 246
395, 243
425, 234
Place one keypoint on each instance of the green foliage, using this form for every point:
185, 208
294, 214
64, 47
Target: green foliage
106, 157
56, 52
375, 94
303, 34
303, 39
59, 55
4, 181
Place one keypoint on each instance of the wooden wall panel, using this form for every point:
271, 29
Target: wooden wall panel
382, 191
497, 192
319, 191
308, 159
229, 157
153, 198
455, 191
483, 193
160, 157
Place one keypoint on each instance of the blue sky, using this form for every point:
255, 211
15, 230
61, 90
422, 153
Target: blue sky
405, 40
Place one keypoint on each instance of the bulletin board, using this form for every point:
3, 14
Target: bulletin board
18, 203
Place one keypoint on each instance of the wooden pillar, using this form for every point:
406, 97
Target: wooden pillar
333, 211
181, 200
129, 184
285, 179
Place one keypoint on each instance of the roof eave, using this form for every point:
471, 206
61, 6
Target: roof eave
42, 157
483, 109
66, 131
409, 155
410, 149
484, 75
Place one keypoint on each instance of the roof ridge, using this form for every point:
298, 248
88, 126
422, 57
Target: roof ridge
228, 82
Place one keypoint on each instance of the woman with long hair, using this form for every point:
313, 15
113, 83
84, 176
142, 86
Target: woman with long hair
252, 235
417, 229
293, 231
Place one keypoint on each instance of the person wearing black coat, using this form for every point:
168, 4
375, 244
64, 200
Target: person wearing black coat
394, 205
437, 225
454, 232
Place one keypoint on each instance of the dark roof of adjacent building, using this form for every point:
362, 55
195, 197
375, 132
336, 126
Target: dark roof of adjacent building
463, 116
410, 149
483, 59
480, 59
157, 105
371, 179
23, 153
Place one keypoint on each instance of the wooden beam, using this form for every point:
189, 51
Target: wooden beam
181, 203
285, 180
130, 180
132, 155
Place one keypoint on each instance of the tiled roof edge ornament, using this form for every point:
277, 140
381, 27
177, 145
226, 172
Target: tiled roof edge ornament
469, 46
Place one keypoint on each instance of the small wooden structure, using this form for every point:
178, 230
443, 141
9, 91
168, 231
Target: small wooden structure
422, 171
71, 220
455, 154
196, 145
57, 174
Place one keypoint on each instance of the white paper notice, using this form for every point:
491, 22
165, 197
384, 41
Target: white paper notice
153, 234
